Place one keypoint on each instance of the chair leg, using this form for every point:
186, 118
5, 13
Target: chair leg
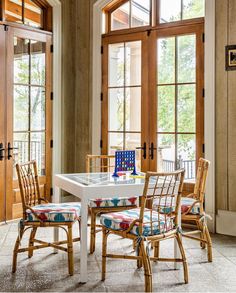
202, 234
139, 261
209, 243
185, 265
147, 268
31, 241
70, 251
93, 232
104, 252
15, 252
79, 228
156, 249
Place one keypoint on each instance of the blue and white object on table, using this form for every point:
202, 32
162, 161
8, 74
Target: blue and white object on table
124, 161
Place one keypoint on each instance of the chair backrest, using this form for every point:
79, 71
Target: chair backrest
100, 163
200, 185
29, 184
163, 191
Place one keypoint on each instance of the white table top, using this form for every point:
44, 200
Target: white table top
91, 179
92, 185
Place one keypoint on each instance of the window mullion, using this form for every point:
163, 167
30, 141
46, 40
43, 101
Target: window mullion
176, 102
124, 120
30, 88
182, 9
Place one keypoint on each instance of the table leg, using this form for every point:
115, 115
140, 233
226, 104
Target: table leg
83, 242
176, 247
56, 199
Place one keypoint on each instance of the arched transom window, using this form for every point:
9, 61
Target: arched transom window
126, 14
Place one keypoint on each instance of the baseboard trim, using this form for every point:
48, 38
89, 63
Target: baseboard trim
225, 223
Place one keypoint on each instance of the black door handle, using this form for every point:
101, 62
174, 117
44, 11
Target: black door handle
144, 148
151, 151
9, 149
1, 151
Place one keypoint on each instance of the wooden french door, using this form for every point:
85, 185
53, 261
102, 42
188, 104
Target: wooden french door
2, 124
153, 97
177, 99
27, 122
124, 99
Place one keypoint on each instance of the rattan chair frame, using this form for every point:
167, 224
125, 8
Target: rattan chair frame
142, 258
100, 163
199, 220
30, 196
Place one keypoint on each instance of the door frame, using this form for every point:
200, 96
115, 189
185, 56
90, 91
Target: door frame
57, 90
209, 102
2, 122
11, 183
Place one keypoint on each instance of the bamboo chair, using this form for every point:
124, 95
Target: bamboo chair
149, 226
193, 211
37, 215
104, 163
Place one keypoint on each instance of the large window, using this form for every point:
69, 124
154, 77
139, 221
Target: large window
34, 13
153, 83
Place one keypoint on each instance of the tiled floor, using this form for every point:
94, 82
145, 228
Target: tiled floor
46, 271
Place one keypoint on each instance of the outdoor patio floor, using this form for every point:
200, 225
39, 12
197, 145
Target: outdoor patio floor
46, 271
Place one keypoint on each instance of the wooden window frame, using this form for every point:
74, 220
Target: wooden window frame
46, 16
154, 19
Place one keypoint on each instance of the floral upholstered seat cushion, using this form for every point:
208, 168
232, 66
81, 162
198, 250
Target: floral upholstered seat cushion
166, 205
187, 202
122, 221
55, 212
113, 202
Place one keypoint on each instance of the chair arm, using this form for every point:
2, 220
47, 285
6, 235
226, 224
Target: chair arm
190, 208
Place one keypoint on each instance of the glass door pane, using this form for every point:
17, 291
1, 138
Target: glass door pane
124, 97
29, 102
176, 107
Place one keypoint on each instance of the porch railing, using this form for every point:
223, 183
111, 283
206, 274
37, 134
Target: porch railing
24, 153
188, 165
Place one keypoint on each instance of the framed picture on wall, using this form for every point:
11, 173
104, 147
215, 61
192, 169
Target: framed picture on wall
230, 57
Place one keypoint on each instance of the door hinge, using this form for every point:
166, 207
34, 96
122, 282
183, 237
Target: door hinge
101, 97
101, 49
51, 143
5, 27
51, 96
149, 32
51, 48
51, 191
203, 37
203, 93
203, 148
101, 143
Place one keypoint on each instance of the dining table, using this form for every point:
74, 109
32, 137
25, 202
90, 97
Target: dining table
86, 186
